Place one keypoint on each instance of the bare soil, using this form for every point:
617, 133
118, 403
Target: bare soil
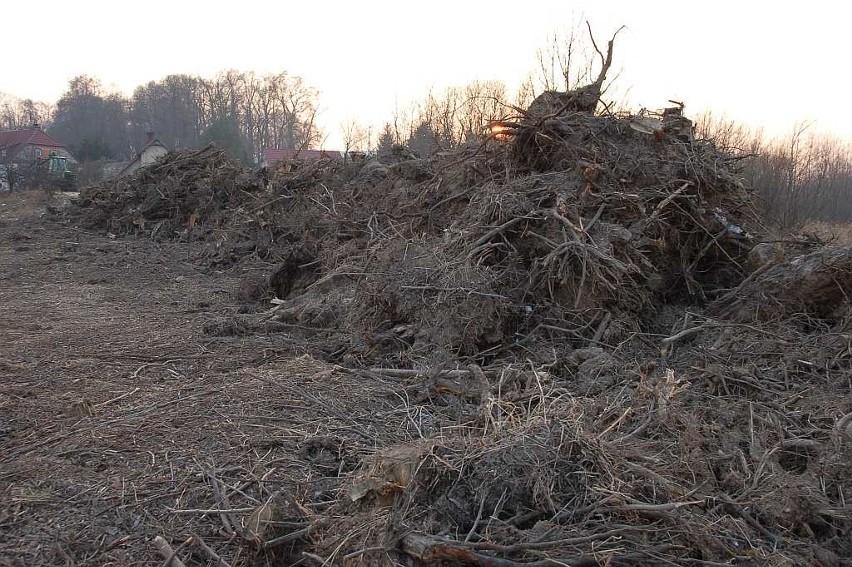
117, 412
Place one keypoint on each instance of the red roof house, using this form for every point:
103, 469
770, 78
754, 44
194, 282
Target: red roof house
24, 146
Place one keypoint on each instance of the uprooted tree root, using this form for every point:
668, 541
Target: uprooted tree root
815, 284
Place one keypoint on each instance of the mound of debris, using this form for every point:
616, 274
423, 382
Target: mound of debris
179, 194
600, 366
575, 231
646, 473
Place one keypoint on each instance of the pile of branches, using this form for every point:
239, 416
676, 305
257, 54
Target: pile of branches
544, 477
512, 466
184, 193
726, 442
577, 229
598, 367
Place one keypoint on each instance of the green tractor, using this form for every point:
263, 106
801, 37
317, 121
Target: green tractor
55, 173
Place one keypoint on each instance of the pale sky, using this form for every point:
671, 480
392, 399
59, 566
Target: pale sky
767, 64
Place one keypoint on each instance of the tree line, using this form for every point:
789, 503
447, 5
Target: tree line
459, 114
246, 113
241, 111
16, 114
803, 176
440, 121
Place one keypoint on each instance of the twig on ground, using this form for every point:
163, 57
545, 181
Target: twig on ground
293, 536
217, 560
170, 555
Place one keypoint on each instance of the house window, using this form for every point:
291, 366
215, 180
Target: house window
37, 152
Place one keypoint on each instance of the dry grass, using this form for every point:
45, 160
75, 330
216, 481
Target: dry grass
19, 205
116, 410
835, 232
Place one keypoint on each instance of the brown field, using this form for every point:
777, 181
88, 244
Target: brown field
115, 408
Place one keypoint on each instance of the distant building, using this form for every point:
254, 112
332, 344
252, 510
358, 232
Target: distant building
32, 158
154, 149
24, 147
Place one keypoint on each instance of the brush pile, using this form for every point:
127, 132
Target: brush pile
169, 198
574, 232
598, 366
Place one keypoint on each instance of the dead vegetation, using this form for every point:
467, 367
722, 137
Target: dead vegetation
557, 349
581, 226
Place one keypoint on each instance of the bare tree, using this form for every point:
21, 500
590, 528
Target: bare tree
798, 178
526, 92
728, 135
354, 136
91, 121
171, 108
16, 113
485, 102
452, 117
567, 60
557, 68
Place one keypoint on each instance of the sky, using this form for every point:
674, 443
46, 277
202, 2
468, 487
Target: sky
769, 65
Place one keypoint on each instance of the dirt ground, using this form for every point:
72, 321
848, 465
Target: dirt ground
117, 414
